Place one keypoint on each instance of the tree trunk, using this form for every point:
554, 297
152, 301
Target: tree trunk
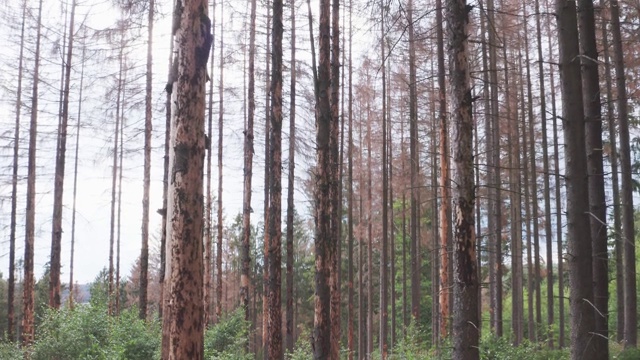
350, 203
14, 189
595, 168
274, 329
369, 237
630, 296
290, 185
185, 200
28, 329
384, 252
465, 333
444, 178
267, 172
148, 128
322, 321
579, 242
117, 305
245, 248
220, 147
414, 168
56, 231
615, 184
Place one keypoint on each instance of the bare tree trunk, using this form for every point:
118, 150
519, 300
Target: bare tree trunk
369, 238
267, 172
14, 189
290, 184
193, 42
148, 128
384, 253
362, 316
465, 333
322, 321
615, 184
546, 186
220, 147
119, 215
415, 169
56, 231
245, 248
579, 242
75, 184
28, 329
274, 328
114, 177
335, 186
630, 296
444, 178
350, 203
595, 169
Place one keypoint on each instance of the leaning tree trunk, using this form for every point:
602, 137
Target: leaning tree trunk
465, 289
579, 236
28, 318
185, 200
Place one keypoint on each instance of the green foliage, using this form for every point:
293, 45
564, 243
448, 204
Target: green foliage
228, 338
494, 348
302, 350
87, 332
629, 354
10, 351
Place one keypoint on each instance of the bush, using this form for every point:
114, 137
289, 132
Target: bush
10, 351
228, 339
629, 354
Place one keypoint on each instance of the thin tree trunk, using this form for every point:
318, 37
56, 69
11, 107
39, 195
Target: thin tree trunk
148, 128
415, 169
56, 231
114, 178
267, 172
369, 237
595, 168
14, 189
193, 42
220, 147
546, 186
335, 190
615, 184
579, 242
630, 296
290, 185
119, 215
350, 203
28, 318
362, 316
465, 319
384, 252
245, 248
444, 178
75, 184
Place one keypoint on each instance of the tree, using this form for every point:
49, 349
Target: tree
579, 236
274, 264
220, 139
193, 43
14, 187
595, 169
630, 296
28, 329
148, 128
322, 195
465, 289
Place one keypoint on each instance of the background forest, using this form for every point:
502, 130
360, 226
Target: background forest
554, 162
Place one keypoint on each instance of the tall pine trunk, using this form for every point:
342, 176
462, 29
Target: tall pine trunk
220, 147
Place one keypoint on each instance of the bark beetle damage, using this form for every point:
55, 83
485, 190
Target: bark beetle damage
202, 52
181, 162
466, 248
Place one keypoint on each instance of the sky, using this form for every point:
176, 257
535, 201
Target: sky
93, 207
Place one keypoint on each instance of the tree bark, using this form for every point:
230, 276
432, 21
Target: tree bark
465, 319
148, 128
193, 43
579, 241
350, 203
220, 147
384, 252
595, 169
14, 189
56, 231
630, 296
